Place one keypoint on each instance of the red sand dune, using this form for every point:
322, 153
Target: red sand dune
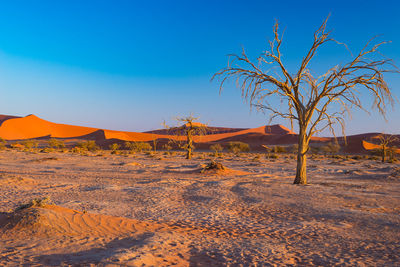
31, 127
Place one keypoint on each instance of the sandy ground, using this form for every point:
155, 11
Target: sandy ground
114, 210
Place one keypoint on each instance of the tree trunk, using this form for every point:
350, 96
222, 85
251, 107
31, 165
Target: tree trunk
189, 145
301, 170
383, 153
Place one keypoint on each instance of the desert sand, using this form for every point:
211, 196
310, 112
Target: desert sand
160, 210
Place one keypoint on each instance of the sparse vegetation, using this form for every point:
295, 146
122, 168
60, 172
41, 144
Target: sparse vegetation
86, 146
2, 143
55, 143
217, 148
168, 148
257, 157
114, 148
331, 148
279, 149
238, 147
273, 156
138, 146
155, 144
30, 144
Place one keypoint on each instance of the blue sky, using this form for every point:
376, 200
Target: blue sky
129, 65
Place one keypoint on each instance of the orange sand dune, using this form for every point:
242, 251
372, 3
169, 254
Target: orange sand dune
29, 127
265, 130
33, 127
137, 137
371, 146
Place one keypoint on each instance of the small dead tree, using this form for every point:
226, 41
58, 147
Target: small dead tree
316, 103
385, 141
190, 128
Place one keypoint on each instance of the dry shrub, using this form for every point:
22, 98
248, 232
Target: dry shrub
213, 165
57, 144
37, 202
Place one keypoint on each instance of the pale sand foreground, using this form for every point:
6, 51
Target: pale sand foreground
163, 212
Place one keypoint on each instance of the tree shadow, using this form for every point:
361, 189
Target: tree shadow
94, 255
206, 258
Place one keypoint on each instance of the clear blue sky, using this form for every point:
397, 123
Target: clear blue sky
129, 65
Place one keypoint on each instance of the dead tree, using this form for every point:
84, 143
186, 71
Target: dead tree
189, 129
315, 103
385, 140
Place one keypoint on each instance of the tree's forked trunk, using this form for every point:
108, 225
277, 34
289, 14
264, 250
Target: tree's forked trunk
301, 170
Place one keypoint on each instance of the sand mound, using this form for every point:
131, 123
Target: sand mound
53, 220
52, 235
217, 168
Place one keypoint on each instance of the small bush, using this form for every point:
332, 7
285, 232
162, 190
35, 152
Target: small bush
257, 157
331, 148
114, 148
30, 144
295, 148
279, 149
238, 147
17, 145
167, 147
2, 143
217, 148
87, 146
314, 149
76, 149
138, 146
374, 158
47, 150
273, 156
57, 144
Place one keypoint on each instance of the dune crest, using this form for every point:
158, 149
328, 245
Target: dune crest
371, 146
31, 127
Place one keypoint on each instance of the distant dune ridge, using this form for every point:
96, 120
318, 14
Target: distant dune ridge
13, 128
